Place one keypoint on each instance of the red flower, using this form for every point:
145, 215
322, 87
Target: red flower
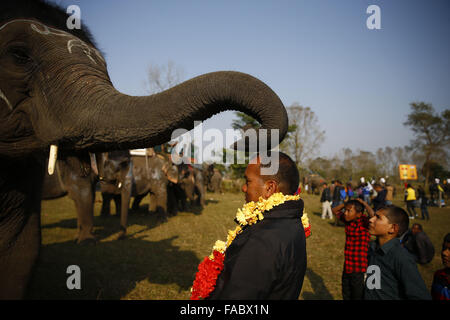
206, 277
308, 231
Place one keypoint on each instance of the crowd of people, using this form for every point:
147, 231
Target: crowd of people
265, 257
385, 268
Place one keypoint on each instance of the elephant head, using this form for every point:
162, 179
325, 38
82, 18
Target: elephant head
55, 90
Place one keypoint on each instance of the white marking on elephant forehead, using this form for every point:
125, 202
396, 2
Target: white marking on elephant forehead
2, 95
56, 32
78, 43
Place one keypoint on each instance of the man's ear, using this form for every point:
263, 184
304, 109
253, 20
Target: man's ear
394, 228
270, 187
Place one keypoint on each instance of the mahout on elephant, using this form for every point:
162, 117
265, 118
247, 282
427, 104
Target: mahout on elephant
55, 91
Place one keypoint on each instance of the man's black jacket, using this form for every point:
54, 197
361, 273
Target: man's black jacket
326, 195
268, 259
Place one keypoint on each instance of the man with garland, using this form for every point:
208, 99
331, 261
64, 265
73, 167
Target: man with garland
267, 259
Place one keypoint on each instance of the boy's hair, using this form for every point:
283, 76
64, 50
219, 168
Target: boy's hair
398, 216
356, 204
446, 240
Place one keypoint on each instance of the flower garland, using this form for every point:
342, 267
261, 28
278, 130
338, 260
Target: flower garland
252, 212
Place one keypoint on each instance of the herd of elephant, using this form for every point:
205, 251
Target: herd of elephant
123, 176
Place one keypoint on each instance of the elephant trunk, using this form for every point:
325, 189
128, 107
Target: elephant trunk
119, 121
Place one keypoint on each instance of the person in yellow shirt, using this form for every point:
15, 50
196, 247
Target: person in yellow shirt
411, 201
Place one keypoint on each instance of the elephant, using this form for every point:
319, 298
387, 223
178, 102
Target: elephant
115, 184
154, 174
56, 94
76, 176
216, 181
192, 184
315, 182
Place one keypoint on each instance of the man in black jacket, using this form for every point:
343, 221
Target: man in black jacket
419, 244
325, 199
268, 259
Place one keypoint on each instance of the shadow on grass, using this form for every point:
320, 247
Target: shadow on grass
111, 270
320, 291
107, 226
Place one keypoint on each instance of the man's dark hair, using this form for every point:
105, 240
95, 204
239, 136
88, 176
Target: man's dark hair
418, 225
377, 185
356, 204
446, 240
397, 216
324, 183
287, 175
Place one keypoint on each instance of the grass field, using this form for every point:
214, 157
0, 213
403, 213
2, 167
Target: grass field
159, 260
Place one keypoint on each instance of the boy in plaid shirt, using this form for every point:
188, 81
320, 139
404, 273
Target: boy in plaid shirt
357, 239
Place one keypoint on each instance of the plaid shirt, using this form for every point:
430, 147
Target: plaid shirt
357, 239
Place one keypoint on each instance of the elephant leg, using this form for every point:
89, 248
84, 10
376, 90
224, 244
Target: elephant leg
137, 200
84, 204
153, 202
161, 206
172, 207
118, 202
106, 205
201, 195
125, 199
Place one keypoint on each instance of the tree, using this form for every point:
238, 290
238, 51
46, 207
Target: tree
431, 131
304, 141
163, 77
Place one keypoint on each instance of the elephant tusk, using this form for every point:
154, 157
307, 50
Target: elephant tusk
120, 185
52, 158
94, 163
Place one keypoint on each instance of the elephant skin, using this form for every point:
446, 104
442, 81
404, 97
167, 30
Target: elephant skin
216, 182
75, 177
314, 182
56, 91
116, 184
151, 176
192, 184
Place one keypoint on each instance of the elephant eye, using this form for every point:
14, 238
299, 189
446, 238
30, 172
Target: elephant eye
20, 55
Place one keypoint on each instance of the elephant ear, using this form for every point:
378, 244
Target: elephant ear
171, 172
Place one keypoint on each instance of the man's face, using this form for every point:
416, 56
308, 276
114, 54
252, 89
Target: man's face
378, 188
254, 186
350, 213
380, 224
415, 229
445, 255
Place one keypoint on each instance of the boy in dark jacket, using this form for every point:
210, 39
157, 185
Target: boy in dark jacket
392, 272
325, 199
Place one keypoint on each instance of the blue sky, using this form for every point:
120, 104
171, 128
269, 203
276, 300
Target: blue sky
318, 53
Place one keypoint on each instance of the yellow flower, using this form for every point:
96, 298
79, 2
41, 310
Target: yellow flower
220, 246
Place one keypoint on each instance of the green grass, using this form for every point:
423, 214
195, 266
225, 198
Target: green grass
159, 260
